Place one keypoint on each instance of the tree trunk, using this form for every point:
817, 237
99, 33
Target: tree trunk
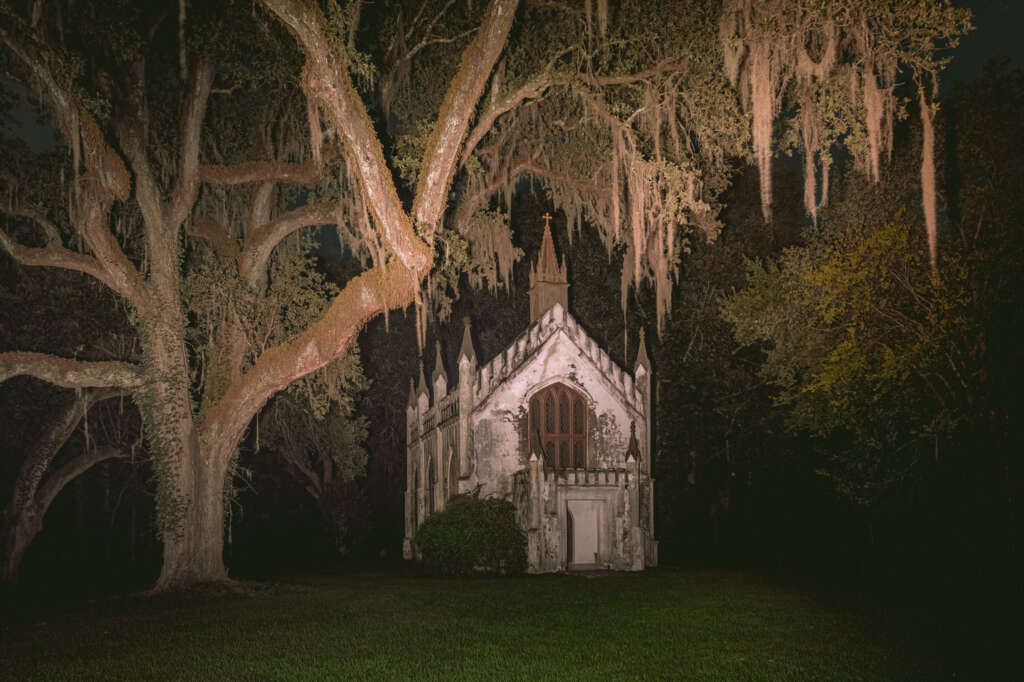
19, 531
193, 528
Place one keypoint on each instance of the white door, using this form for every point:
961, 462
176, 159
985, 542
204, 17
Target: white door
582, 523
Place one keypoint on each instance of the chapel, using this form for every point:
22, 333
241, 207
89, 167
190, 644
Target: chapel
551, 423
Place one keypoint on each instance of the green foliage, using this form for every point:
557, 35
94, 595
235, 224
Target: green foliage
216, 298
472, 534
869, 350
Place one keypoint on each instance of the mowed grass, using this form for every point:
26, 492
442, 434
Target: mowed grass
663, 624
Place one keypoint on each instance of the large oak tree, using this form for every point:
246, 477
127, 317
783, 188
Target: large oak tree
187, 162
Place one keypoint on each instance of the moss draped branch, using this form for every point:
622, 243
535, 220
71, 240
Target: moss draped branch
69, 373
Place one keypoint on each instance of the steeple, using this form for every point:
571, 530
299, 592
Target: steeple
549, 278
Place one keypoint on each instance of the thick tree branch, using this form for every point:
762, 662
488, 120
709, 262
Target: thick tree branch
186, 188
38, 216
34, 468
495, 109
77, 125
55, 256
259, 245
72, 469
92, 224
215, 233
267, 171
674, 64
328, 84
460, 101
381, 288
132, 128
69, 373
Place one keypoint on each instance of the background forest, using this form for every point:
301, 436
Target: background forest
831, 402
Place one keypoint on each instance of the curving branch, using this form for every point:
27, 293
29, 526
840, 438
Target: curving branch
100, 174
69, 373
381, 288
38, 216
498, 107
268, 171
186, 189
103, 165
74, 468
259, 245
480, 196
35, 490
55, 256
460, 102
34, 468
328, 84
216, 234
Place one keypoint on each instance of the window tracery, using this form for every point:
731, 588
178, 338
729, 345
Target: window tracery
558, 427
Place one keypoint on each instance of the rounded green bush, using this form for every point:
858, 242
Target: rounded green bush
472, 534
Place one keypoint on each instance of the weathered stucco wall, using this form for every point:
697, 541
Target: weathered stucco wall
498, 423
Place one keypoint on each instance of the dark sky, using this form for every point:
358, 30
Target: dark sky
997, 27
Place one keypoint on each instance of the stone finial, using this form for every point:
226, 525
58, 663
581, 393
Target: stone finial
423, 390
641, 355
633, 451
466, 351
412, 395
439, 376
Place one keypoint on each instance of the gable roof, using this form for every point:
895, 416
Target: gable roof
507, 364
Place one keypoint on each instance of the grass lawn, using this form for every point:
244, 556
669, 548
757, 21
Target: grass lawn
664, 624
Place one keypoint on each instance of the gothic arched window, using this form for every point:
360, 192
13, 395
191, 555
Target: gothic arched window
558, 427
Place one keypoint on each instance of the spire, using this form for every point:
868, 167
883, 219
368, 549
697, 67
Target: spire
549, 278
423, 383
412, 395
466, 350
641, 355
548, 268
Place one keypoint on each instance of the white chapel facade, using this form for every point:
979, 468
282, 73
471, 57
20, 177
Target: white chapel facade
551, 423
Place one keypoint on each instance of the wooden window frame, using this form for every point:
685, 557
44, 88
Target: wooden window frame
558, 417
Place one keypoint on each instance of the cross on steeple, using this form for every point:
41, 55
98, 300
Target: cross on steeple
549, 282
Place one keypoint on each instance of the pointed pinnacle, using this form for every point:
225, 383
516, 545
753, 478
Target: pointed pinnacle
438, 365
641, 356
466, 350
423, 382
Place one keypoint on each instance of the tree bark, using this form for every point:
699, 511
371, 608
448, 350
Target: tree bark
192, 454
35, 489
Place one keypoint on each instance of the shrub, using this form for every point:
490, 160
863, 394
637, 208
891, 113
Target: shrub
472, 534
